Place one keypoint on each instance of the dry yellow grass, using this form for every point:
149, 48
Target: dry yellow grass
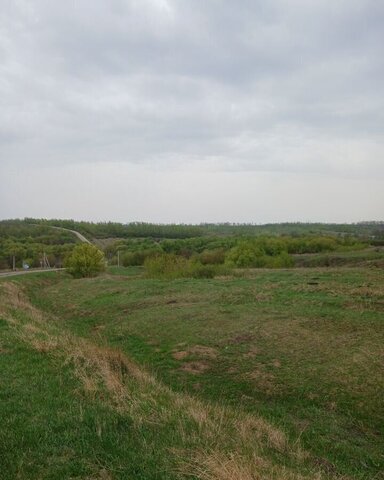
215, 465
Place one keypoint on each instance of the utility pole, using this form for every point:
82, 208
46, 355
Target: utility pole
13, 263
45, 261
118, 258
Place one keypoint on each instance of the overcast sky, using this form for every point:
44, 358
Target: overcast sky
192, 110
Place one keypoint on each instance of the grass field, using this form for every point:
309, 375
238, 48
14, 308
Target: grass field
268, 374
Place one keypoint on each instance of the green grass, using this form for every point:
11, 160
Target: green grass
51, 429
125, 272
372, 257
301, 349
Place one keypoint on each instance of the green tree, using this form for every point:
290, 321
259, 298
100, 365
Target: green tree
247, 253
86, 260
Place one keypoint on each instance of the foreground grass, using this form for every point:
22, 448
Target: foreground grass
273, 375
79, 410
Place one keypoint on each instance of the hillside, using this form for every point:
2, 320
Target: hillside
271, 374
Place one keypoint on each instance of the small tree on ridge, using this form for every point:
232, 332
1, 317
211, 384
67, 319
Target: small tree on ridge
86, 260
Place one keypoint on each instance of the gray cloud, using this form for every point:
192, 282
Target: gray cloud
194, 85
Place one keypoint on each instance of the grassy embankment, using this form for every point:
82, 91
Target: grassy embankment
275, 374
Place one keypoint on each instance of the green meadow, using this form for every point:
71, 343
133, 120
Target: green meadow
256, 374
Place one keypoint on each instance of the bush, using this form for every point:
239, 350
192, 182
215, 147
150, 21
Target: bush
212, 257
280, 261
134, 259
86, 260
253, 254
175, 266
166, 266
198, 270
246, 254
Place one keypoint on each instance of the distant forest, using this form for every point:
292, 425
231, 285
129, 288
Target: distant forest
30, 239
143, 230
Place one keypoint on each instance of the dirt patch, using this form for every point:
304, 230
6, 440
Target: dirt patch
194, 367
252, 352
101, 475
180, 355
265, 381
242, 338
276, 363
198, 351
203, 351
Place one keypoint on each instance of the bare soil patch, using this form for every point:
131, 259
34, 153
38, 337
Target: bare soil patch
276, 363
242, 338
180, 355
263, 380
194, 367
196, 350
203, 351
252, 352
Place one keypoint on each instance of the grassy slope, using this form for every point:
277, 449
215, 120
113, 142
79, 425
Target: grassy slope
301, 349
372, 256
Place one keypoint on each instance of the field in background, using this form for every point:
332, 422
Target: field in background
258, 374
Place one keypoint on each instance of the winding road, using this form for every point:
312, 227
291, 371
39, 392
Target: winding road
78, 234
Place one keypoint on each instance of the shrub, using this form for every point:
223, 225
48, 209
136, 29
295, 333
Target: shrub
198, 270
86, 260
175, 266
245, 254
133, 259
281, 261
212, 257
253, 253
166, 266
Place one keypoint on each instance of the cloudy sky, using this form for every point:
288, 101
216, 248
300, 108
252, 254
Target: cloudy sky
192, 110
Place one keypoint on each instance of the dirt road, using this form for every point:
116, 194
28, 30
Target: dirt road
31, 270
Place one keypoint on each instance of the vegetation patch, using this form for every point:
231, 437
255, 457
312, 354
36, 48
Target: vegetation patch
153, 431
202, 368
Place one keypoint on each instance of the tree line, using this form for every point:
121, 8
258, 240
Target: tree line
240, 245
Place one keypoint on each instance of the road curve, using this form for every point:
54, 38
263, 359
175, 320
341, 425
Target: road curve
78, 234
